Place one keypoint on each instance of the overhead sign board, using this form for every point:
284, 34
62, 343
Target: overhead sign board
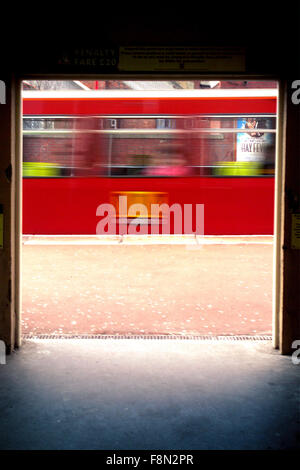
181, 59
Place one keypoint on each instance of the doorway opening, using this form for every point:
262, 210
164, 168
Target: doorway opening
148, 207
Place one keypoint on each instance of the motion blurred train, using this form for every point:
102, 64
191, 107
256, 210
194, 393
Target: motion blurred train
214, 147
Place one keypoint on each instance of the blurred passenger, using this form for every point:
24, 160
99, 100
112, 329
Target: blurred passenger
173, 163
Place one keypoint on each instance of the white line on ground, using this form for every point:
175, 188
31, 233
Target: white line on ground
146, 240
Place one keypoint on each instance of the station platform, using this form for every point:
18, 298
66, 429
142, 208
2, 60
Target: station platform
147, 286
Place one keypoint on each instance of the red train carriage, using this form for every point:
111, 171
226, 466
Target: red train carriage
209, 147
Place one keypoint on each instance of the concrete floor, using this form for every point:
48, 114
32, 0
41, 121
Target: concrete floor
149, 394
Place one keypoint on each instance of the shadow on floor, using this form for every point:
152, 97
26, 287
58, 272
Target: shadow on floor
149, 394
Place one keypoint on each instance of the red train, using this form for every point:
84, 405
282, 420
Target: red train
87, 148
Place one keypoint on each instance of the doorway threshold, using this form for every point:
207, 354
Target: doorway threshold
150, 337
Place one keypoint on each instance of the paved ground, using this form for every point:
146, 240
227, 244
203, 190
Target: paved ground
125, 288
149, 394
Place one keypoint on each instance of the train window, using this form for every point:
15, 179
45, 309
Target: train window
135, 146
137, 123
209, 145
38, 123
166, 123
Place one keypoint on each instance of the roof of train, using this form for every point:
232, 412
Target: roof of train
123, 94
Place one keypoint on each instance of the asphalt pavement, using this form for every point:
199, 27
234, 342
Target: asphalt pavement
83, 286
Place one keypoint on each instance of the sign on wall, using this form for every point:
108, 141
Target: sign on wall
295, 231
181, 58
154, 59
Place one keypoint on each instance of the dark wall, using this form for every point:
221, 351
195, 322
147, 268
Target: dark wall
268, 31
43, 39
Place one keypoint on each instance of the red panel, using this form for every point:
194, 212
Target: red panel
182, 106
232, 206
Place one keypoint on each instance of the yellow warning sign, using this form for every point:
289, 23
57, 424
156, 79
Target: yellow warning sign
295, 231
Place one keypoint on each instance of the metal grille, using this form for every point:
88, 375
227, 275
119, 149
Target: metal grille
151, 337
